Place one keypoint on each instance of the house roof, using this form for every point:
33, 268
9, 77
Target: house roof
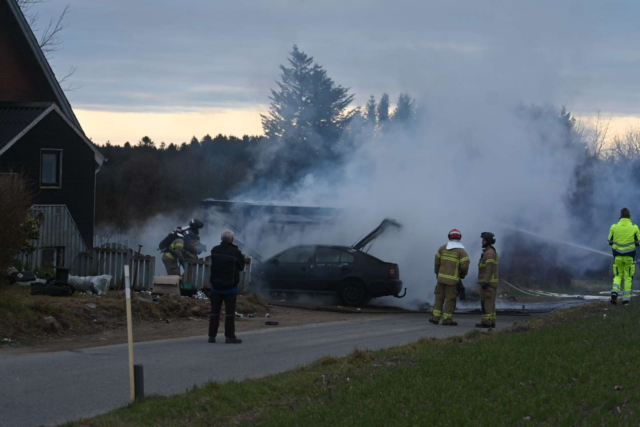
33, 49
16, 119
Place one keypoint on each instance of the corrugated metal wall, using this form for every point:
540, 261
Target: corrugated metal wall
56, 230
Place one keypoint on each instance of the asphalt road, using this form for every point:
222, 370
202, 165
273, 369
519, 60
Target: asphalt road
51, 388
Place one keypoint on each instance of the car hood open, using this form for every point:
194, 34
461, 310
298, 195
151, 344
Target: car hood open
386, 223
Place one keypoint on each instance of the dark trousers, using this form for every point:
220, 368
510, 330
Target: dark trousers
216, 307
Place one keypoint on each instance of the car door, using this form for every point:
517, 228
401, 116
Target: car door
325, 269
290, 269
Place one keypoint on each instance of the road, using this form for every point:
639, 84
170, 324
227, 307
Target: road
51, 388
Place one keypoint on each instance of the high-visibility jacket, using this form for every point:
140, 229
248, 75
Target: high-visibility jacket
624, 238
451, 265
488, 267
176, 249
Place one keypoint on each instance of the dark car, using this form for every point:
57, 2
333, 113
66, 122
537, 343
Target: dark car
350, 272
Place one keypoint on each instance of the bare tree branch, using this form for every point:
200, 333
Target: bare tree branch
50, 37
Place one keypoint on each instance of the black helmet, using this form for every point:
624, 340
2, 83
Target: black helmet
195, 225
489, 237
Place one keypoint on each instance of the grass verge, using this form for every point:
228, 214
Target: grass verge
573, 367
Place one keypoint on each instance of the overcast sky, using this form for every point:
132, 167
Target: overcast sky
172, 69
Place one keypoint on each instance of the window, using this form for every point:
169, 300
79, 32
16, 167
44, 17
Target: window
296, 255
51, 168
346, 257
326, 255
53, 257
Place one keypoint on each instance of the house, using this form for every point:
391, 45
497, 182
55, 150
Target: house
41, 138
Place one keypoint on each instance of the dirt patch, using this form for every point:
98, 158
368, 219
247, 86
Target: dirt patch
42, 324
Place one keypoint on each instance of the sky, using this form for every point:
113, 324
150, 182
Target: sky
172, 70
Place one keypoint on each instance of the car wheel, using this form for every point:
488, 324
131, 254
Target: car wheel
354, 293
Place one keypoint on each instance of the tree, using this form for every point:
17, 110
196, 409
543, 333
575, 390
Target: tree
383, 109
146, 142
308, 110
48, 36
405, 113
370, 111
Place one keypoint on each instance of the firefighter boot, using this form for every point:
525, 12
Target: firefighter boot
434, 321
614, 298
449, 322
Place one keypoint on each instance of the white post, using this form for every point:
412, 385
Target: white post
127, 282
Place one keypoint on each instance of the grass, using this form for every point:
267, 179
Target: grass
573, 367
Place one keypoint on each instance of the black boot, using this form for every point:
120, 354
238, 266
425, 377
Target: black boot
212, 340
435, 322
614, 298
483, 325
625, 302
233, 340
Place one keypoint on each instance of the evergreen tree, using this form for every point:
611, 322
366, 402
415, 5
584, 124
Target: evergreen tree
370, 111
383, 109
405, 112
308, 109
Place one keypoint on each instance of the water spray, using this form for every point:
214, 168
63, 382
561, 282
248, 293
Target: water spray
562, 242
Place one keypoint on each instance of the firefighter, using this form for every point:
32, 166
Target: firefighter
173, 256
451, 265
488, 280
624, 239
193, 247
183, 247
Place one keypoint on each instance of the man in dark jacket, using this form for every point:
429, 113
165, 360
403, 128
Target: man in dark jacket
226, 264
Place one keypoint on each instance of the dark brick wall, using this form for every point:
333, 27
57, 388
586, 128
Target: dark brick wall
78, 169
21, 79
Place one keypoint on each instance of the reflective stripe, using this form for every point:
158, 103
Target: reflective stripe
447, 316
464, 259
438, 254
456, 260
436, 313
446, 276
625, 251
491, 261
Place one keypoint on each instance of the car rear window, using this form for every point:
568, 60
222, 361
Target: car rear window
346, 257
328, 255
296, 255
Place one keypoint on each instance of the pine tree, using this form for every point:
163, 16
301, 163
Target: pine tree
308, 108
370, 111
405, 113
383, 109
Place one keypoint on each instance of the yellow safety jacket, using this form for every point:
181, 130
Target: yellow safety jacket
451, 265
624, 238
175, 250
488, 267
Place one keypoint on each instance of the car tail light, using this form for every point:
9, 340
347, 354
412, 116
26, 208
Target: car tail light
392, 271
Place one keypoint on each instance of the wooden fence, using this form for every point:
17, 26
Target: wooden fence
111, 261
198, 273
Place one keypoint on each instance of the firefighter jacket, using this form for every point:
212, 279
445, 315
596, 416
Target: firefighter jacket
451, 265
176, 249
488, 267
624, 238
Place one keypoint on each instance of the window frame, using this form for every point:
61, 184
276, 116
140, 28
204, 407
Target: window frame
59, 154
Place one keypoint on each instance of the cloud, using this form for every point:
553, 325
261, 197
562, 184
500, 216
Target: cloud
199, 54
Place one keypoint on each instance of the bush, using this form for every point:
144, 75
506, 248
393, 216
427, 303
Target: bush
15, 201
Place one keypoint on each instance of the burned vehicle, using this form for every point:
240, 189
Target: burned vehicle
350, 272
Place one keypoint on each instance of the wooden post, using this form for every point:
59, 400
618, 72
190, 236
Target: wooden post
127, 282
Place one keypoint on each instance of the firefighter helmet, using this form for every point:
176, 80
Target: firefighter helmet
489, 237
195, 225
455, 234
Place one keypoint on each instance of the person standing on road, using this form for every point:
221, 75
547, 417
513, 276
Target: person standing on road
451, 266
226, 264
624, 239
488, 280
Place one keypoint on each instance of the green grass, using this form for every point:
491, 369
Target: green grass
573, 367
